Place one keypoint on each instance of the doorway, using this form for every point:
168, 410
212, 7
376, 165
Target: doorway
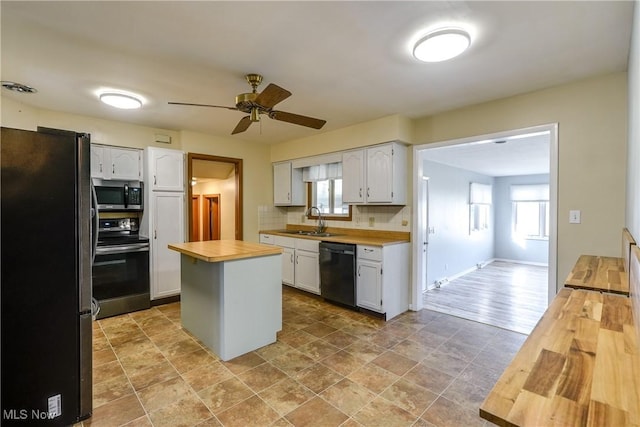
216, 184
422, 229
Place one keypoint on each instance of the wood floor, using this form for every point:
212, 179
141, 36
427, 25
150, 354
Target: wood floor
507, 295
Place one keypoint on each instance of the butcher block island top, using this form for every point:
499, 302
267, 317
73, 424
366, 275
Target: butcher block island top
224, 250
599, 273
579, 367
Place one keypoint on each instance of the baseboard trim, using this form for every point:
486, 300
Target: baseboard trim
165, 300
518, 261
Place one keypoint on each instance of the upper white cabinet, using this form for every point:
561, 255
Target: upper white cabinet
375, 175
165, 169
116, 163
288, 187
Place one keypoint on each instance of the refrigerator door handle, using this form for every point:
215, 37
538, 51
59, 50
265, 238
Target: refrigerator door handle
95, 222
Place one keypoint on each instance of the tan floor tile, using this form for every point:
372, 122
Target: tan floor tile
383, 413
429, 378
409, 396
116, 412
385, 339
291, 363
348, 396
107, 371
243, 363
286, 395
459, 350
110, 390
373, 377
250, 412
211, 422
316, 412
103, 356
207, 375
262, 376
183, 413
133, 346
273, 350
296, 338
164, 394
446, 363
224, 395
343, 362
187, 362
318, 349
412, 350
340, 339
444, 413
139, 422
365, 350
317, 377
100, 343
465, 393
427, 338
152, 375
319, 329
135, 362
394, 363
180, 348
156, 325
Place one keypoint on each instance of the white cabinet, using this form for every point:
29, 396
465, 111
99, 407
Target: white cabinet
300, 261
353, 184
382, 278
163, 220
167, 227
116, 163
288, 187
307, 269
375, 175
165, 169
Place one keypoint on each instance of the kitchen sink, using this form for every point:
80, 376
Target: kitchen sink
309, 233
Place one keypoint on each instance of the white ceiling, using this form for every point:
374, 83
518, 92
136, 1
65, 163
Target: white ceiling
345, 62
517, 155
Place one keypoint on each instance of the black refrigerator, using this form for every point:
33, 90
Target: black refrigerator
46, 217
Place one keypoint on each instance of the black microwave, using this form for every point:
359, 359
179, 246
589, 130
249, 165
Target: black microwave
123, 197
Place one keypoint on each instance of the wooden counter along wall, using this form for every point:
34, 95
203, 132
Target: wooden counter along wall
634, 285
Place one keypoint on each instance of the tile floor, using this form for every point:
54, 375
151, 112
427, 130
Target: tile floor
329, 367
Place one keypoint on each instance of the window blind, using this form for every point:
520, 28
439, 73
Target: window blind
479, 194
530, 193
322, 172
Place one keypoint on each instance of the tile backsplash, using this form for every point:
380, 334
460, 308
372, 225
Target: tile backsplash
390, 218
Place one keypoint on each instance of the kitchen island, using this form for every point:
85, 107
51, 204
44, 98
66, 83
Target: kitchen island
231, 295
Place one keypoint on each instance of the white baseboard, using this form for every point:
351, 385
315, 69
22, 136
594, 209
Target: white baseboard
517, 261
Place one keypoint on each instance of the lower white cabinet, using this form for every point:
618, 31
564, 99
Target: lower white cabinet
300, 261
382, 278
167, 226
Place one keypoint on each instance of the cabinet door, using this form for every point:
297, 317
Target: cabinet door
288, 266
167, 170
99, 165
379, 174
282, 184
307, 271
369, 285
168, 227
353, 188
125, 164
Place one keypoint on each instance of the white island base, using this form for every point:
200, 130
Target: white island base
232, 306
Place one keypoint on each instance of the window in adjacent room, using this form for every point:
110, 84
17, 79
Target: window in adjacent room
530, 211
479, 206
325, 191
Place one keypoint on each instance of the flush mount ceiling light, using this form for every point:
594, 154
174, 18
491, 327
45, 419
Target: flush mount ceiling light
442, 44
121, 100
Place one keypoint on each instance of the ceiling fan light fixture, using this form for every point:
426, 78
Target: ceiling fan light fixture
120, 100
441, 45
255, 115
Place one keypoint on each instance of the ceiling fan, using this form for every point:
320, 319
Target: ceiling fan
255, 104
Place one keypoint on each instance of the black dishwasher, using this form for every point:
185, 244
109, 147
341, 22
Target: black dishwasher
338, 273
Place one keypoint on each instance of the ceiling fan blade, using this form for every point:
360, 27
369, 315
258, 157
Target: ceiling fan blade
271, 95
203, 105
242, 125
297, 119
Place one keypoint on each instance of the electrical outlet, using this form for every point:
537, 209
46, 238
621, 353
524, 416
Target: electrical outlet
303, 218
372, 221
405, 222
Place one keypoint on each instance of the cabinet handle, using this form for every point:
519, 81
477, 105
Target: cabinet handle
360, 192
113, 168
154, 180
289, 196
359, 267
368, 250
367, 191
155, 234
291, 257
101, 167
296, 259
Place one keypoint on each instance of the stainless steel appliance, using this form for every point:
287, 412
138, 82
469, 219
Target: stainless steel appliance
121, 268
46, 277
119, 195
338, 272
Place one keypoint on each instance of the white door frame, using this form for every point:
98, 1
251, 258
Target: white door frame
418, 275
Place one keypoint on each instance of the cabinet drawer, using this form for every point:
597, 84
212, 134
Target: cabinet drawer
267, 239
373, 253
308, 245
285, 242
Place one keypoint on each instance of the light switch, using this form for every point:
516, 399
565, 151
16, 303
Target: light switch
574, 217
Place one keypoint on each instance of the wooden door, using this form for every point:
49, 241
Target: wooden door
211, 217
194, 232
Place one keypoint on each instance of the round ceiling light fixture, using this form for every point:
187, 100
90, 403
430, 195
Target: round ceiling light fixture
125, 101
442, 44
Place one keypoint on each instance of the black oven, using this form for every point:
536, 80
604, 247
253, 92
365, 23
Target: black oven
121, 268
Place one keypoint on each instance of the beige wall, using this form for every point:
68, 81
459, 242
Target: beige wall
257, 189
226, 188
633, 173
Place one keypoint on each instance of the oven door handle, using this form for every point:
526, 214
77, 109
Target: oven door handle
121, 249
94, 222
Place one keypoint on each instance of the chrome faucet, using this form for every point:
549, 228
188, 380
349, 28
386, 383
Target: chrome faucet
321, 227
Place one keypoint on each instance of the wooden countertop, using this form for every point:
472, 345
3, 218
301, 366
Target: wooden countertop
599, 273
579, 367
347, 235
224, 250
